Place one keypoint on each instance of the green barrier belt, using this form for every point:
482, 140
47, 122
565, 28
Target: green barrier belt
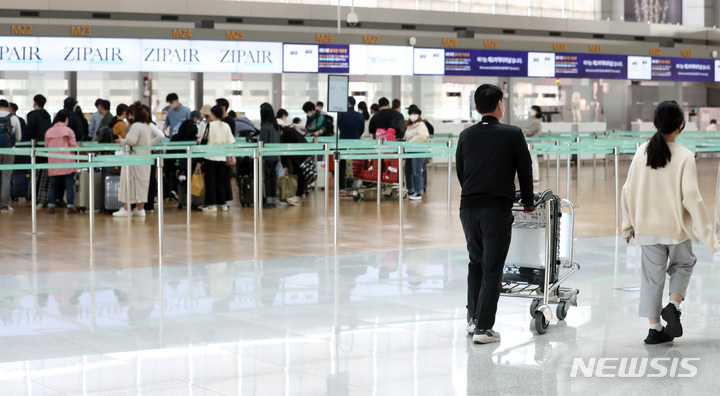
63, 156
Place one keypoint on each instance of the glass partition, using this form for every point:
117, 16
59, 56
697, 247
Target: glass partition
20, 87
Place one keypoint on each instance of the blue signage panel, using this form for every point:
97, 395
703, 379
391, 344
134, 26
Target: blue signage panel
459, 62
662, 69
686, 69
334, 58
500, 63
569, 65
604, 66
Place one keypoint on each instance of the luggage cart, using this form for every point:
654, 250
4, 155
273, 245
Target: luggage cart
367, 172
540, 259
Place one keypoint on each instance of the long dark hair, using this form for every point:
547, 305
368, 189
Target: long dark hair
267, 114
669, 117
362, 106
538, 111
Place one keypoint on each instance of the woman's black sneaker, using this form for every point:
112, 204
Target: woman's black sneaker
672, 316
658, 337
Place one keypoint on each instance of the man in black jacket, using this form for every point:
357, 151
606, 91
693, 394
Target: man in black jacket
387, 118
74, 122
488, 156
38, 122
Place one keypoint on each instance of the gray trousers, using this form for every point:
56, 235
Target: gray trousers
5, 177
677, 261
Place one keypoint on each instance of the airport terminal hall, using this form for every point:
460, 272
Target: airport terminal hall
346, 197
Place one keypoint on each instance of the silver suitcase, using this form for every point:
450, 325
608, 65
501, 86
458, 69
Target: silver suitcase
82, 189
111, 201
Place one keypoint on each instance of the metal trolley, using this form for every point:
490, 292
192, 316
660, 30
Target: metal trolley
540, 259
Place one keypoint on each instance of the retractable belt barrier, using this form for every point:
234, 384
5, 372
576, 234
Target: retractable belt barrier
92, 155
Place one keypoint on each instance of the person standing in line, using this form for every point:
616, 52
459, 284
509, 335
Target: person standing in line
106, 115
417, 132
315, 125
387, 118
269, 133
10, 133
217, 168
83, 122
664, 211
363, 109
351, 125
489, 154
176, 114
225, 104
140, 134
59, 135
95, 119
118, 125
38, 122
534, 130
320, 106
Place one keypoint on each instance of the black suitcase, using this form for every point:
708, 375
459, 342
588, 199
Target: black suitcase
20, 184
515, 273
244, 166
245, 190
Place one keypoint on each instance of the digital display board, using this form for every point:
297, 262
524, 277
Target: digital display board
429, 61
300, 58
333, 58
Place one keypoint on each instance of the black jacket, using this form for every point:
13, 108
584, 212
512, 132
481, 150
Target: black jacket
76, 124
187, 132
38, 122
488, 156
291, 135
386, 119
351, 124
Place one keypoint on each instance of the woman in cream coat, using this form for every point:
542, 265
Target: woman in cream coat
140, 134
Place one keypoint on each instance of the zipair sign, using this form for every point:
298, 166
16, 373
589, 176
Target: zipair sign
148, 55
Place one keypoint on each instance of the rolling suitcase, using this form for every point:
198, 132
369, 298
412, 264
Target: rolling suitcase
111, 195
525, 262
195, 200
246, 190
82, 189
20, 184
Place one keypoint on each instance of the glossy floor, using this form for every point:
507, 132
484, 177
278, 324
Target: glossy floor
389, 323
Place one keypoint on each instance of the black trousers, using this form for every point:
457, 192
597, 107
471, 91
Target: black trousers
487, 232
215, 175
270, 176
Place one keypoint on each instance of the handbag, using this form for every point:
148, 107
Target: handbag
204, 140
287, 186
308, 171
198, 182
230, 161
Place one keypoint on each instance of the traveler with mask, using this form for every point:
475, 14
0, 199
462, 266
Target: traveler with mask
176, 114
534, 130
315, 125
59, 135
417, 132
664, 211
489, 155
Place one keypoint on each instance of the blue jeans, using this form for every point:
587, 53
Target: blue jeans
414, 179
56, 183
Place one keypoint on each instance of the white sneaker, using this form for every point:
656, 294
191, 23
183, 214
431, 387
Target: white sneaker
224, 208
210, 209
416, 197
121, 213
40, 206
485, 336
7, 209
138, 213
470, 327
294, 201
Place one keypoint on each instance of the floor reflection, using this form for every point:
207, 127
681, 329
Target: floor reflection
389, 323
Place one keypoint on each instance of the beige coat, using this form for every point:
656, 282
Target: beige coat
140, 135
666, 202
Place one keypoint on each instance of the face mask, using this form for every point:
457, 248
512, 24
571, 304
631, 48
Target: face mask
309, 114
414, 117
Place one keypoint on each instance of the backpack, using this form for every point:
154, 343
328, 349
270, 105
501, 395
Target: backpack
7, 133
105, 135
431, 129
329, 125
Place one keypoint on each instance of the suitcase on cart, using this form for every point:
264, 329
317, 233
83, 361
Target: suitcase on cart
111, 193
526, 257
390, 171
82, 189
